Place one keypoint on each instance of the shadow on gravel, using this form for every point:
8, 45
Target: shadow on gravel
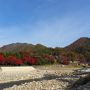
45, 77
82, 81
10, 84
63, 78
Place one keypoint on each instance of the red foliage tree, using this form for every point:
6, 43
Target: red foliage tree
12, 60
18, 62
30, 60
2, 59
50, 58
64, 59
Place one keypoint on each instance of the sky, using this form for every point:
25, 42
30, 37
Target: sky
53, 23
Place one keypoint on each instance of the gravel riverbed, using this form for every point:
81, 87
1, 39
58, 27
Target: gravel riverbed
37, 79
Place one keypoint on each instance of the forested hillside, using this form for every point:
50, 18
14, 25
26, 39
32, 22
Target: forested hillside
28, 54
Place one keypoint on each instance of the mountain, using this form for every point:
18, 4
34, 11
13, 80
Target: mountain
15, 47
83, 42
78, 50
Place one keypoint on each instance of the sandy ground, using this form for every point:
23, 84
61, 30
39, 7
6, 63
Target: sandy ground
17, 69
53, 77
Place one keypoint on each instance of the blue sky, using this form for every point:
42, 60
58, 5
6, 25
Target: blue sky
54, 23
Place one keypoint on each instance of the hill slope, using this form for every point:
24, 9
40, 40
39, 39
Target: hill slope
80, 43
15, 47
39, 54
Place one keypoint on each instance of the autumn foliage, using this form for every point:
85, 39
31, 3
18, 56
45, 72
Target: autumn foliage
30, 60
27, 54
2, 59
12, 60
26, 58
